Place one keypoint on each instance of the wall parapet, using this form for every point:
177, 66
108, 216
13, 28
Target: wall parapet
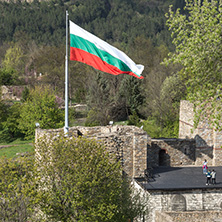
128, 143
171, 152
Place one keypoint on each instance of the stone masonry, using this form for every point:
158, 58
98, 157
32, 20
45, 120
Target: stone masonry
137, 152
208, 141
191, 216
184, 205
171, 152
128, 143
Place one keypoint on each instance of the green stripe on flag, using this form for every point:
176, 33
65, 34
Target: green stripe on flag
81, 43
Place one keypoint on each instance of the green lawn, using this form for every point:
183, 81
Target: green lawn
11, 150
18, 141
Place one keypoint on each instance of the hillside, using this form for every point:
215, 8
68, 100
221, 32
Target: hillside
112, 20
32, 50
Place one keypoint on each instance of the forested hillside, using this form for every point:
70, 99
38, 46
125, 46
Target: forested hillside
32, 50
112, 20
181, 52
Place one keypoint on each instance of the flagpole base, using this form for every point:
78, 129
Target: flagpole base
66, 131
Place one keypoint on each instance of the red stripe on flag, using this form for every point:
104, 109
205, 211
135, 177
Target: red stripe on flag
96, 62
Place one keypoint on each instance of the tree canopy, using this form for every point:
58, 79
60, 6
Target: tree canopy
198, 42
17, 189
67, 179
112, 20
40, 107
82, 182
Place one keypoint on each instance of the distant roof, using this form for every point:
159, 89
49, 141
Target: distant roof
180, 178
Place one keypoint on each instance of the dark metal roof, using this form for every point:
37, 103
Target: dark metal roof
180, 178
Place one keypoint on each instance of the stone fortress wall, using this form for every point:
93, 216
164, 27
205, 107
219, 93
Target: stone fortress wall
128, 143
208, 141
185, 206
171, 152
194, 216
137, 151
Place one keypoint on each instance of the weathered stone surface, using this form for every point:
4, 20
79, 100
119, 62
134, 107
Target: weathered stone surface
163, 217
137, 151
128, 143
185, 205
208, 141
177, 152
193, 216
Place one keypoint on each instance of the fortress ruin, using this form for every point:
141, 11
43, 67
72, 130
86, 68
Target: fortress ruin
137, 151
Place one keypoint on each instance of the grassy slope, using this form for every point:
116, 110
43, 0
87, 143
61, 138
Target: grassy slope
9, 150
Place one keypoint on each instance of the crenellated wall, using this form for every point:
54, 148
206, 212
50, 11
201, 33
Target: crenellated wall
134, 148
137, 151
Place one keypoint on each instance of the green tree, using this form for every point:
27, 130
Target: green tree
3, 110
172, 91
130, 93
99, 100
41, 107
198, 42
10, 130
113, 98
14, 58
3, 114
7, 77
82, 182
134, 119
25, 94
17, 189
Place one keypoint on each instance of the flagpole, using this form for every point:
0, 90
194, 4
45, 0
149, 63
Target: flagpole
66, 128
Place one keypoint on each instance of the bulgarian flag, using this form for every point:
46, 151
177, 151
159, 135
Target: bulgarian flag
91, 50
